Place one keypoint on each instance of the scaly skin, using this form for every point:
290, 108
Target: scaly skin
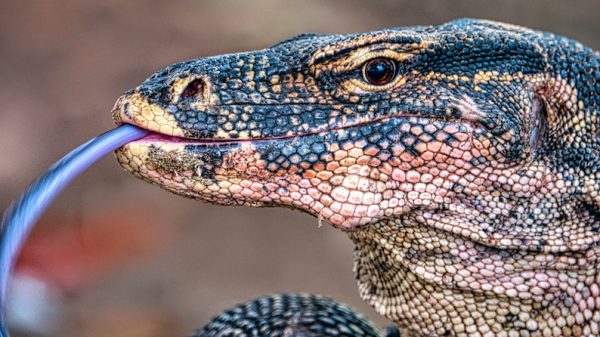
289, 315
469, 183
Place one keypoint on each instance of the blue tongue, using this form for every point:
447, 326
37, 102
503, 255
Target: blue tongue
22, 214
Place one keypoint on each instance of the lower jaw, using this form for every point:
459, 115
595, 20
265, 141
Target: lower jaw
226, 188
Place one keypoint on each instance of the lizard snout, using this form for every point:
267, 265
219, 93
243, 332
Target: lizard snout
134, 108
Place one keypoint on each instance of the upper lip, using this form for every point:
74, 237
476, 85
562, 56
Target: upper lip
133, 108
155, 134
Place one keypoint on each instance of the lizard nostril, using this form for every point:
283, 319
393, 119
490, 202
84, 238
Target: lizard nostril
194, 89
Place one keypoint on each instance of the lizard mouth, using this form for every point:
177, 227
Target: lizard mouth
154, 136
178, 135
134, 109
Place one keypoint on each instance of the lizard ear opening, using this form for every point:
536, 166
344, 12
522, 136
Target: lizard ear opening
538, 123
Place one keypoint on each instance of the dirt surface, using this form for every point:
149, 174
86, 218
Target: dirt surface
123, 258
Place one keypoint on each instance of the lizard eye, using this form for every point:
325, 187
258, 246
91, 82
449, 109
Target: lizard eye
379, 71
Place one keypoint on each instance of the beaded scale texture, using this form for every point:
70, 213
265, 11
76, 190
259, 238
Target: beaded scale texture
468, 181
289, 315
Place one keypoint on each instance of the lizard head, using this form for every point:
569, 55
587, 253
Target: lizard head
350, 127
423, 142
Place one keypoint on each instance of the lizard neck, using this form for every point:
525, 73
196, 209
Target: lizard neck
432, 283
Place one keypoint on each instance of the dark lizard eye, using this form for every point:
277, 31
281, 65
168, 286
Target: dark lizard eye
379, 71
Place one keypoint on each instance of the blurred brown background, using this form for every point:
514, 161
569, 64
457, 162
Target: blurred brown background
117, 257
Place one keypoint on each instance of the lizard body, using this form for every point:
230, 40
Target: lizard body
462, 159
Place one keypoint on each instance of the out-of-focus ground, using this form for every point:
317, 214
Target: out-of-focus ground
128, 259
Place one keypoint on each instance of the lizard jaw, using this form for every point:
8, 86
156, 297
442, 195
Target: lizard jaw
339, 175
236, 173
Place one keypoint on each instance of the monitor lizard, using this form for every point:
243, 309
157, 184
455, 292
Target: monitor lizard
461, 159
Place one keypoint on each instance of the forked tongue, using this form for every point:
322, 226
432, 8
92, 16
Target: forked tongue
20, 217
